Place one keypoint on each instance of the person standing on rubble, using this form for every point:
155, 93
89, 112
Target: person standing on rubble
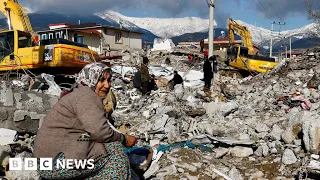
145, 76
77, 128
207, 73
201, 45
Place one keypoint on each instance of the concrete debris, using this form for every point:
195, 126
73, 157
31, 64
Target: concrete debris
258, 127
288, 157
163, 45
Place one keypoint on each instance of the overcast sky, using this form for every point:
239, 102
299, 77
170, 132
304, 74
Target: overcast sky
259, 12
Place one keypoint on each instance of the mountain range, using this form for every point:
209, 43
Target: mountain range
178, 29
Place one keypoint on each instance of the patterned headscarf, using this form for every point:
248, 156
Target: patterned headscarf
90, 74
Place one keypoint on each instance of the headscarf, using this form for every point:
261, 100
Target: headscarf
90, 74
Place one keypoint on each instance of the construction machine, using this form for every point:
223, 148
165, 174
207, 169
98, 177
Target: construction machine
20, 49
242, 56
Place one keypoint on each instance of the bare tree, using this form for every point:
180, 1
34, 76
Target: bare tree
313, 14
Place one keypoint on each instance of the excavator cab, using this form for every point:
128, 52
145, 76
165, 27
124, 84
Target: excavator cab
6, 44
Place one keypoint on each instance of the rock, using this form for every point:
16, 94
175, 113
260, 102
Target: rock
220, 152
267, 90
159, 122
315, 106
152, 169
311, 131
276, 87
276, 132
20, 115
167, 171
288, 137
146, 114
315, 156
239, 151
295, 116
273, 151
180, 170
246, 111
306, 92
314, 82
220, 107
256, 175
6, 95
315, 95
235, 174
288, 157
262, 150
178, 91
187, 166
3, 114
297, 142
260, 127
7, 136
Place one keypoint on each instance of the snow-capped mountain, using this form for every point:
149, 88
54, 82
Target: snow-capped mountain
262, 36
173, 27
162, 27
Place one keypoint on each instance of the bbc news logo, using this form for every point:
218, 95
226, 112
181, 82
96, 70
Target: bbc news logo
47, 164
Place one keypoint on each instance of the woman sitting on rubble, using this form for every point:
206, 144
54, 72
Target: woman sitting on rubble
77, 128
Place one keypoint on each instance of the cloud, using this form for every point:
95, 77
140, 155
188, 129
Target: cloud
270, 9
280, 9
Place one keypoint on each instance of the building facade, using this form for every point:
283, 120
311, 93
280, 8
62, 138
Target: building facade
103, 39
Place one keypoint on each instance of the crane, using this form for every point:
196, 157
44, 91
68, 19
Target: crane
20, 49
17, 17
243, 32
243, 57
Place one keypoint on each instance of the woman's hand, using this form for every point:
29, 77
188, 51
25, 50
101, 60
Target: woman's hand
130, 140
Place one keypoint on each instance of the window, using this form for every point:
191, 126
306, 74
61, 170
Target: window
51, 36
6, 44
43, 36
58, 35
118, 37
80, 39
24, 40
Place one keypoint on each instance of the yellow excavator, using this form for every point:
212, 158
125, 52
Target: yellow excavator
20, 49
242, 56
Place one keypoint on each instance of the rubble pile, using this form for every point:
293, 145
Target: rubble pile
262, 127
266, 127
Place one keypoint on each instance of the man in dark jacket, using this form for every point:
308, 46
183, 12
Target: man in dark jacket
207, 73
145, 76
177, 79
137, 80
201, 45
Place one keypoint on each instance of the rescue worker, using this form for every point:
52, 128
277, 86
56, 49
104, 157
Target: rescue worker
207, 73
145, 77
215, 64
137, 80
201, 45
152, 84
177, 79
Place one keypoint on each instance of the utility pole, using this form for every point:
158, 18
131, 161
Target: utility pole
290, 47
211, 25
271, 38
280, 24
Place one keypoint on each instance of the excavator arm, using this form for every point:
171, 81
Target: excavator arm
243, 32
16, 16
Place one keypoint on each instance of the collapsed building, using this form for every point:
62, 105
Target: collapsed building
261, 127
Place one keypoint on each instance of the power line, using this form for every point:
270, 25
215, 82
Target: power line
275, 11
263, 11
